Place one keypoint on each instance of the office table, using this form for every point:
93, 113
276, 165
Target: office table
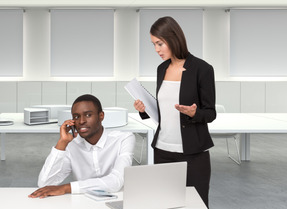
246, 124
14, 198
243, 124
19, 127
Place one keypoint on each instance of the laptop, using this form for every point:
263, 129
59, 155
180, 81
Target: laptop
153, 187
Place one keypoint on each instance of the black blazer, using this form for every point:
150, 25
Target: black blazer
197, 86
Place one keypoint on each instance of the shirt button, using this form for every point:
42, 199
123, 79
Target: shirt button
183, 126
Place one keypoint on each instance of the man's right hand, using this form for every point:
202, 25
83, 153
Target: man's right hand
65, 136
51, 191
139, 106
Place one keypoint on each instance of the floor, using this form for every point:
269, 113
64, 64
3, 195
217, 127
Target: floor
259, 183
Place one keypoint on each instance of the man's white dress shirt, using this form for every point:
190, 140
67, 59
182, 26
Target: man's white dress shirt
99, 166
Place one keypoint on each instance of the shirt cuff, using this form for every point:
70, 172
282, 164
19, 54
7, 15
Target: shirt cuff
75, 187
57, 152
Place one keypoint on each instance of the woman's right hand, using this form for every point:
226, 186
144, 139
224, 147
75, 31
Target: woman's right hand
139, 106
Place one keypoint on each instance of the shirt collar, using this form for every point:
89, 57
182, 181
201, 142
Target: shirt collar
100, 144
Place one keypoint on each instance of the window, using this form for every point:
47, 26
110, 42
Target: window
11, 42
258, 44
82, 42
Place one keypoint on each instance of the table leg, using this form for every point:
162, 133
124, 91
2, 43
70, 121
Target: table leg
3, 157
149, 149
245, 147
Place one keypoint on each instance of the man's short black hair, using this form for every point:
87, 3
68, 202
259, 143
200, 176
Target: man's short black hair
89, 98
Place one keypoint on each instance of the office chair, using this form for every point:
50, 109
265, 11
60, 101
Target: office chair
221, 109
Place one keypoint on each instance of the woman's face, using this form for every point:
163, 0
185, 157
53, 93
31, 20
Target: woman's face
161, 48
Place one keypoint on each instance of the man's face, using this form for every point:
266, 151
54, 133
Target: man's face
88, 121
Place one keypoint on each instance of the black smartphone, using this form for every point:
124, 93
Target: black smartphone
73, 130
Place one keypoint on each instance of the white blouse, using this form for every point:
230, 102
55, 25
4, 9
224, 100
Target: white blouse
169, 138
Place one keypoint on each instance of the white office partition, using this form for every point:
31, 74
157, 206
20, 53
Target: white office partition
76, 89
228, 95
82, 42
252, 96
54, 93
258, 44
28, 94
191, 22
8, 96
11, 42
105, 91
276, 101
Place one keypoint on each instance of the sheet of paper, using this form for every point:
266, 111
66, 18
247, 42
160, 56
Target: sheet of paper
137, 91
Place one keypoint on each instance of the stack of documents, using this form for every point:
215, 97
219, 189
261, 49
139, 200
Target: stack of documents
5, 122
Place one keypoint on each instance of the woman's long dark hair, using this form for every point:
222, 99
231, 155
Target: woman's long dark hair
169, 31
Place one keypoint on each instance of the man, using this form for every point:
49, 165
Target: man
95, 156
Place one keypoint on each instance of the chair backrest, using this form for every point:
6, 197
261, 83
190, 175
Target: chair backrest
219, 108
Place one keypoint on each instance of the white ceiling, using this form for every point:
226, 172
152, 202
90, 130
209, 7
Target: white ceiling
144, 3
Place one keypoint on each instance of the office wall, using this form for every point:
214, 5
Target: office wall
236, 96
126, 55
37, 47
126, 51
216, 42
248, 94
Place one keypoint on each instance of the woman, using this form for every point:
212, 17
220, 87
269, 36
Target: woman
186, 102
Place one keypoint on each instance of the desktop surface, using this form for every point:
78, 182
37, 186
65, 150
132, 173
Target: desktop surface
14, 198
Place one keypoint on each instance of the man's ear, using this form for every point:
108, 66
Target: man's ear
102, 116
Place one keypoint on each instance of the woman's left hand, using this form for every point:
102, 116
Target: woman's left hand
188, 110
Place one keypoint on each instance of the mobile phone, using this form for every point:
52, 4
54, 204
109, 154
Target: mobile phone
73, 130
100, 195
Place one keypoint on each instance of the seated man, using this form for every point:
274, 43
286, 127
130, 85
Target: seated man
95, 156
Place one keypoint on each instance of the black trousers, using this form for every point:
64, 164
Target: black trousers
198, 169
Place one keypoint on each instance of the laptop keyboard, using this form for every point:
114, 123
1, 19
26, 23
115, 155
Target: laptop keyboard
115, 204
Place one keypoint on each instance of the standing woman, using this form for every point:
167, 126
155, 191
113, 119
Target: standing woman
185, 95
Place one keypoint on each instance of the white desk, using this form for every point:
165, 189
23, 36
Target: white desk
14, 198
19, 127
244, 124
